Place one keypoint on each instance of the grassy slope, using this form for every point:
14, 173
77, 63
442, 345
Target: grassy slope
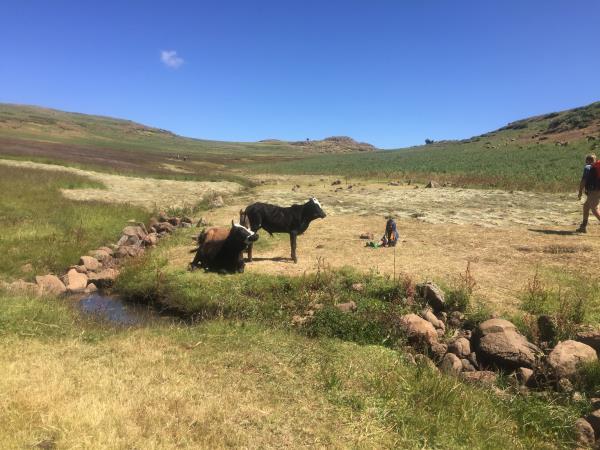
523, 155
42, 228
231, 384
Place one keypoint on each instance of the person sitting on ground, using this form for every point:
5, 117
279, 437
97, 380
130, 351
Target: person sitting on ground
390, 237
590, 182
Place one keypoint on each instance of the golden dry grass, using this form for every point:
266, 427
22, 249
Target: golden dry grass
147, 192
215, 387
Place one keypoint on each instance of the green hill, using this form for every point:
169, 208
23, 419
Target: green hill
106, 143
542, 153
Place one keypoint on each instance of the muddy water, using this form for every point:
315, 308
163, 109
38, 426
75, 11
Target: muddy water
114, 310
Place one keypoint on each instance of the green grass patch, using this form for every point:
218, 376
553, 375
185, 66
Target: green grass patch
42, 228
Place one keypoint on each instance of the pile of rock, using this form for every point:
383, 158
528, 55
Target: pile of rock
99, 269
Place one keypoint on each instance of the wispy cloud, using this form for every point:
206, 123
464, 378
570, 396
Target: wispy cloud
170, 59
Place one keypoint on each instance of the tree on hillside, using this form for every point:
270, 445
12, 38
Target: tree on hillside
429, 141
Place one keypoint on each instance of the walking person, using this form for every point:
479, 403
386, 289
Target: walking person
590, 183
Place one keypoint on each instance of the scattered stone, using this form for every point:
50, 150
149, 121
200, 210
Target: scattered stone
162, 217
136, 230
216, 202
90, 263
565, 385
393, 183
432, 184
501, 344
90, 288
152, 238
467, 366
75, 281
336, 182
368, 236
79, 268
107, 250
473, 360
164, 227
524, 375
568, 355
185, 225
346, 307
451, 364
584, 433
433, 295
102, 255
485, 377
433, 320
438, 350
50, 284
591, 338
129, 251
461, 347
104, 278
418, 330
358, 287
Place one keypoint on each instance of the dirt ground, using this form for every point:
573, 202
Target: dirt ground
505, 236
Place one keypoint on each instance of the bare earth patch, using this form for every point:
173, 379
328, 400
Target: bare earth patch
504, 244
147, 192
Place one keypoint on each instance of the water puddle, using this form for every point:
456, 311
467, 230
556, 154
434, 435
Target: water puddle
115, 310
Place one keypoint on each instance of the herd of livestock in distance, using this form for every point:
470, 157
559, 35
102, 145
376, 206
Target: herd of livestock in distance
221, 249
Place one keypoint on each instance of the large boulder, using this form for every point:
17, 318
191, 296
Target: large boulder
50, 284
584, 433
104, 278
500, 344
568, 355
102, 255
433, 295
90, 263
75, 281
418, 330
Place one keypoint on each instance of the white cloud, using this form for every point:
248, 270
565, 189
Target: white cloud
170, 59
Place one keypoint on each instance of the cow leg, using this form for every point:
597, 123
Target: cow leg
293, 237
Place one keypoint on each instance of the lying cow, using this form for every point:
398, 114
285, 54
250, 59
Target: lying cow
293, 220
221, 249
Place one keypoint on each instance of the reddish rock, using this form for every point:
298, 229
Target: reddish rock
90, 263
451, 364
584, 433
75, 281
104, 278
461, 347
502, 345
485, 377
433, 295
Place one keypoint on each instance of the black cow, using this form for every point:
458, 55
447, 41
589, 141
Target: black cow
221, 250
293, 220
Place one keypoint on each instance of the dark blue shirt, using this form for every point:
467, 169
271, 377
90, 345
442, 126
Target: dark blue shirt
589, 183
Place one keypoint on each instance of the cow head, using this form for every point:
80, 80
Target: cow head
241, 234
313, 210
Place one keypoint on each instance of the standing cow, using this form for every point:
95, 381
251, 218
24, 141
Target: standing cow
293, 220
221, 249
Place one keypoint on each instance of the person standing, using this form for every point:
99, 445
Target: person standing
590, 184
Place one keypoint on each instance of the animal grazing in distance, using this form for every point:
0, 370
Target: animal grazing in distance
293, 220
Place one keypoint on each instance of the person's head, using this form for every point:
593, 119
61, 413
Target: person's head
590, 159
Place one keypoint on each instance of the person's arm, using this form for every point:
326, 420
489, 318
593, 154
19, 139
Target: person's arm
581, 187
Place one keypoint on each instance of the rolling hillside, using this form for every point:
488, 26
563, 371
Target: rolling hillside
105, 143
542, 153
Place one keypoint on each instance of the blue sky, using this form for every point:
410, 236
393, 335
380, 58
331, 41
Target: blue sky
391, 73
